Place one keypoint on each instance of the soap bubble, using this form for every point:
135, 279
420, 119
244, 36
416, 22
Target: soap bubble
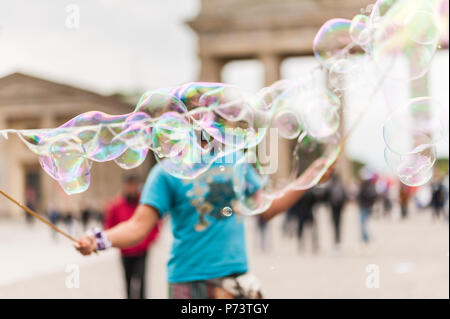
333, 42
320, 114
441, 10
380, 9
67, 163
360, 30
354, 76
306, 151
191, 126
398, 49
418, 122
227, 211
414, 168
288, 124
422, 27
411, 134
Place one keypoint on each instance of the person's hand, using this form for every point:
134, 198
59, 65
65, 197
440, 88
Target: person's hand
86, 244
314, 170
328, 173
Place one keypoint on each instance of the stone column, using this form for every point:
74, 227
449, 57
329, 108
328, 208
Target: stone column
211, 69
272, 68
343, 166
272, 73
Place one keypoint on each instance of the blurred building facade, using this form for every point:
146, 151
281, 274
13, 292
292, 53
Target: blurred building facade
270, 31
28, 102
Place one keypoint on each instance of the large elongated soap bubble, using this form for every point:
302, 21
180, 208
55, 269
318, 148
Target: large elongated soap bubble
307, 120
191, 126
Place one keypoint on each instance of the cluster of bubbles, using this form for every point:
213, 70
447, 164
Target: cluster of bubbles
182, 125
396, 33
399, 40
190, 127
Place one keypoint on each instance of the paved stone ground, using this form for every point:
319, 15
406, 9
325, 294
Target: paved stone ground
412, 258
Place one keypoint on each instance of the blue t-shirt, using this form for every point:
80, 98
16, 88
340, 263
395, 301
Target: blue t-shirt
207, 243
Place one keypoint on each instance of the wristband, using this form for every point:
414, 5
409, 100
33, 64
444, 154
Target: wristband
103, 242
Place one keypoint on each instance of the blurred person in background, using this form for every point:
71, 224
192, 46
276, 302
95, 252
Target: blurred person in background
86, 215
98, 208
304, 210
289, 226
99, 217
404, 198
262, 230
134, 258
422, 197
336, 196
54, 216
366, 198
68, 221
31, 199
446, 205
384, 186
438, 198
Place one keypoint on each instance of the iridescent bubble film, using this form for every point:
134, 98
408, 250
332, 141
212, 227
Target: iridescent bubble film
411, 134
190, 127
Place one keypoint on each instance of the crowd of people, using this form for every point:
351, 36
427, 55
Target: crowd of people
73, 220
373, 194
118, 209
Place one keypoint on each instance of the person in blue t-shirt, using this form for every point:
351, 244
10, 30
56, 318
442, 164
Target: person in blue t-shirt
208, 258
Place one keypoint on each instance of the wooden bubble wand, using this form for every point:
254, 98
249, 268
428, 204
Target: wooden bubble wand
37, 216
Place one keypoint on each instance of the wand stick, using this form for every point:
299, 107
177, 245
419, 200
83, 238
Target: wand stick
36, 215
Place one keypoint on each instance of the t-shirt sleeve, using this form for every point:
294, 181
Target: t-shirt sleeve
253, 180
157, 191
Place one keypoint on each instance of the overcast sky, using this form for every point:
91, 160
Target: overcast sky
137, 45
117, 45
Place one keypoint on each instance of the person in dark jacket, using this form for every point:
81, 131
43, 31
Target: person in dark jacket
404, 197
336, 197
134, 258
304, 210
366, 198
438, 195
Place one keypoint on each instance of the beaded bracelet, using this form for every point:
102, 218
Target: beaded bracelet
103, 242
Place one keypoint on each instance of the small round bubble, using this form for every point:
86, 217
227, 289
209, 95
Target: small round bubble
227, 211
